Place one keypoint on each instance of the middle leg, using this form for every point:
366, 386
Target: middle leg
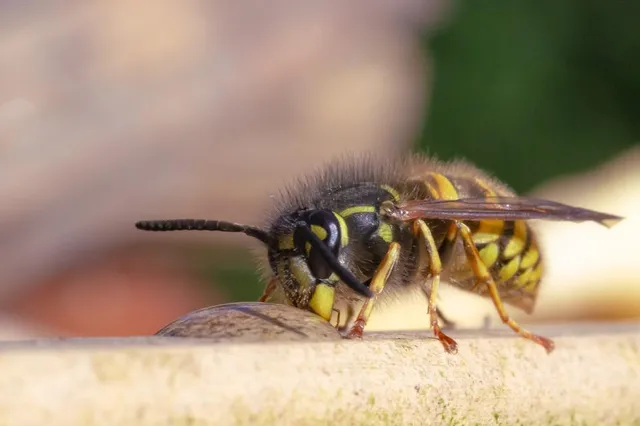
421, 229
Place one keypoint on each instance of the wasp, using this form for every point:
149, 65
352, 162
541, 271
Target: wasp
361, 229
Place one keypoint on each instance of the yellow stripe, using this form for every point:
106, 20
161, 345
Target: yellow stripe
488, 231
392, 191
517, 242
445, 187
385, 231
344, 230
524, 278
530, 258
534, 278
537, 272
489, 254
510, 269
357, 209
319, 231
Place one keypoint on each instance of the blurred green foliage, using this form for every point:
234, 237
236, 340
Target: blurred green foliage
525, 90
233, 273
532, 90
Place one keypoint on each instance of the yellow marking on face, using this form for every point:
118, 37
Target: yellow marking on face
530, 258
489, 254
357, 209
344, 230
517, 241
488, 231
445, 187
385, 231
322, 301
392, 191
300, 272
286, 242
307, 248
510, 269
319, 231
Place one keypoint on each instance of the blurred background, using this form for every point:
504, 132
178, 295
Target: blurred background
113, 112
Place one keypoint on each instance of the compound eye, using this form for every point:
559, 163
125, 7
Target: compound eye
326, 227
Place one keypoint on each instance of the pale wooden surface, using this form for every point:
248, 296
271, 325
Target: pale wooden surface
593, 377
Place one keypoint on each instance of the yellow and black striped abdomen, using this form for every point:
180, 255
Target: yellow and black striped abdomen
507, 248
510, 252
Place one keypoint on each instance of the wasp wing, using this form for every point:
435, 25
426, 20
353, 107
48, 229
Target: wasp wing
498, 208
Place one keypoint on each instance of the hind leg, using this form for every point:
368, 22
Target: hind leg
484, 277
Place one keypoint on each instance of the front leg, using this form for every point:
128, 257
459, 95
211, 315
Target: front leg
268, 291
378, 282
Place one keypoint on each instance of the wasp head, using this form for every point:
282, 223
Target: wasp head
305, 257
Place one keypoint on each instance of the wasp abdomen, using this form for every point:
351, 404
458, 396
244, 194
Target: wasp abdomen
507, 248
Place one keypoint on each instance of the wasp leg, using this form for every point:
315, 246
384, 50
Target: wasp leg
350, 312
268, 290
482, 274
445, 251
377, 285
337, 311
435, 268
